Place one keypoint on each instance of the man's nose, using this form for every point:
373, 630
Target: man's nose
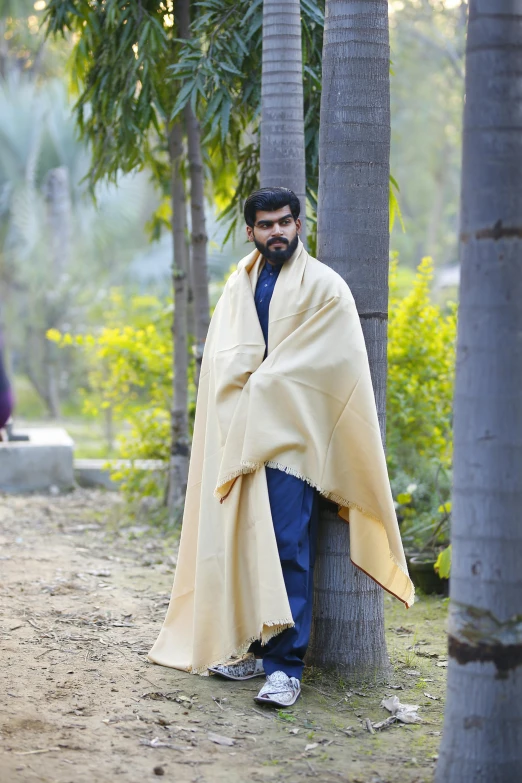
277, 230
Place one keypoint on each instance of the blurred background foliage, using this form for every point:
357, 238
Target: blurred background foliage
421, 376
110, 289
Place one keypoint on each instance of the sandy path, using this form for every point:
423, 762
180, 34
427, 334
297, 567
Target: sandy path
81, 603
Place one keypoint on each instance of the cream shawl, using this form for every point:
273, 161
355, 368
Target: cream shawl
309, 410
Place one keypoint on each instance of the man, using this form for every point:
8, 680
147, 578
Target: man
285, 411
293, 502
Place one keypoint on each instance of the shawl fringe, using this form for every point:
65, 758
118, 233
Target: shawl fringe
235, 419
250, 467
268, 630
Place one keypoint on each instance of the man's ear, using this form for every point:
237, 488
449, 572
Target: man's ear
298, 225
250, 234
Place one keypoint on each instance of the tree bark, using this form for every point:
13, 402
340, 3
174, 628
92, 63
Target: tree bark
191, 316
482, 738
179, 450
282, 118
353, 238
199, 238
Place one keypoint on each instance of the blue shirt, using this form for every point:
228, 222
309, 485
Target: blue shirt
291, 499
264, 290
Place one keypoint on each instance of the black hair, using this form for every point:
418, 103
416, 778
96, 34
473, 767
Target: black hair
269, 200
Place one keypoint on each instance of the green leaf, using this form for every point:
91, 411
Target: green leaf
251, 11
182, 99
445, 508
395, 183
395, 210
314, 11
404, 498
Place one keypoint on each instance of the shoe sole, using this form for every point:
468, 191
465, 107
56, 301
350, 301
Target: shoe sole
237, 679
274, 702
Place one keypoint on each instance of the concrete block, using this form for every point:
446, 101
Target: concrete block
97, 472
44, 461
94, 473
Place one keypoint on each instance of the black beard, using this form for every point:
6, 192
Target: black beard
278, 256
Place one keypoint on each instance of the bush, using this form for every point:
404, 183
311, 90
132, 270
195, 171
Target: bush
130, 374
421, 366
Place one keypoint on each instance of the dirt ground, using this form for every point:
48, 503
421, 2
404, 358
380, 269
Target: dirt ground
81, 602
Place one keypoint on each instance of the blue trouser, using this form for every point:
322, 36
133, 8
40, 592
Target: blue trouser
295, 513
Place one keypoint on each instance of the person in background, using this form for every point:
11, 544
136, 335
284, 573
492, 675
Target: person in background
6, 394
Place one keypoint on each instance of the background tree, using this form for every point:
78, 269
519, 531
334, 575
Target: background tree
220, 69
198, 260
219, 72
482, 737
282, 120
353, 238
121, 63
179, 436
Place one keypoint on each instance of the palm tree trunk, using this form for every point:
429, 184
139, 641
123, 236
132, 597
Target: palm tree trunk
179, 451
353, 238
199, 236
282, 119
482, 739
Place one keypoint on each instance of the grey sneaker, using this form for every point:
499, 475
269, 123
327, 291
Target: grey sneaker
279, 690
243, 669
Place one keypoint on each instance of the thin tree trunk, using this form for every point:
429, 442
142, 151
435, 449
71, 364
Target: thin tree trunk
51, 375
482, 739
282, 118
37, 369
179, 450
199, 238
4, 50
191, 317
59, 222
353, 238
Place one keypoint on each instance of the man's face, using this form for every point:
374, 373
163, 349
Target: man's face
275, 234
